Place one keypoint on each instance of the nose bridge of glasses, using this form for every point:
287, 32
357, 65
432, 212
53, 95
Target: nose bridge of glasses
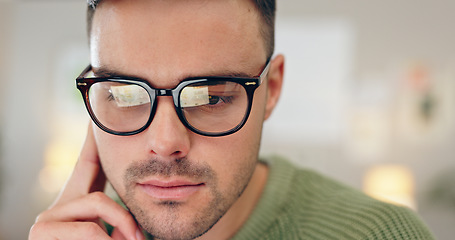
163, 92
167, 92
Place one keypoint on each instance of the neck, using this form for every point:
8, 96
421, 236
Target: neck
238, 214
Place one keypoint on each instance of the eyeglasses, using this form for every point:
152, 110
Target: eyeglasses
209, 106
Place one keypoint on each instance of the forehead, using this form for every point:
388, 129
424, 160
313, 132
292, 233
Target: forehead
168, 39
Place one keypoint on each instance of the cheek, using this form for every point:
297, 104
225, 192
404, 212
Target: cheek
114, 153
233, 160
234, 157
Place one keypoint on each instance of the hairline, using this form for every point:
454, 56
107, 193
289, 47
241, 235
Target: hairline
267, 18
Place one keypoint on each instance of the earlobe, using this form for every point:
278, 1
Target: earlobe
274, 84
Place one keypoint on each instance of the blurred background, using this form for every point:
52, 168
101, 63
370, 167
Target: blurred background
369, 99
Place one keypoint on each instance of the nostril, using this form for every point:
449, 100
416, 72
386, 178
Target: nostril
177, 154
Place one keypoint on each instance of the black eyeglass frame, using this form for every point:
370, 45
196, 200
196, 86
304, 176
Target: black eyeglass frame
249, 84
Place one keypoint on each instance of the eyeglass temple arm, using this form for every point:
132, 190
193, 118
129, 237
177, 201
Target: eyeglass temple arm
86, 70
264, 72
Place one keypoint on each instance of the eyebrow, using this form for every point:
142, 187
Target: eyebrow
107, 73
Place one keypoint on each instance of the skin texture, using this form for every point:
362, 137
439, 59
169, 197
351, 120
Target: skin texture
165, 42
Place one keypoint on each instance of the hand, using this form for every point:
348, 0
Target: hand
77, 212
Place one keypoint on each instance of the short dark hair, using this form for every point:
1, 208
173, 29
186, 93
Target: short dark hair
266, 9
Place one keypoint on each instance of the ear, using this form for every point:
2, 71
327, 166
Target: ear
274, 84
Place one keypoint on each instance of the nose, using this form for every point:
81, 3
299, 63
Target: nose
167, 137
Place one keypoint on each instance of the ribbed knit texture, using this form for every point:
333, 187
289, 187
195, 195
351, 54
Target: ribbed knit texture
301, 204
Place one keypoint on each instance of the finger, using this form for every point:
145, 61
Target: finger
117, 235
94, 206
67, 231
87, 175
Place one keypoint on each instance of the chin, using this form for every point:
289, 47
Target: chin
174, 223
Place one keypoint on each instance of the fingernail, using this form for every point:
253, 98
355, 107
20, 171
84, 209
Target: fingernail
139, 235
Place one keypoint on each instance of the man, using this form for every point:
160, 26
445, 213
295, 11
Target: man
178, 92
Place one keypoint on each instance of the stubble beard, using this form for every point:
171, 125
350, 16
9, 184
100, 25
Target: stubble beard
175, 224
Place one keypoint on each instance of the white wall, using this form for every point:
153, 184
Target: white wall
37, 30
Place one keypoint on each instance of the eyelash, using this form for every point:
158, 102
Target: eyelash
227, 99
110, 97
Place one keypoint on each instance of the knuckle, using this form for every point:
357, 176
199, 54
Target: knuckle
125, 217
92, 229
97, 196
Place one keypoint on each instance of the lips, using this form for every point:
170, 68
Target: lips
176, 190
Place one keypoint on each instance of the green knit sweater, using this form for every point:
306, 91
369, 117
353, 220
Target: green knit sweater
301, 204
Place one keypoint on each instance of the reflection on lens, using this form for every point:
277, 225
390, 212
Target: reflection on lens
214, 107
129, 95
120, 107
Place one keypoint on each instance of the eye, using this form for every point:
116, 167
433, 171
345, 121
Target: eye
110, 97
214, 100
218, 100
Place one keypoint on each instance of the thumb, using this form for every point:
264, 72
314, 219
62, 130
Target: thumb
117, 235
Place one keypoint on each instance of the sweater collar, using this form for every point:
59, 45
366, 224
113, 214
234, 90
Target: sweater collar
272, 201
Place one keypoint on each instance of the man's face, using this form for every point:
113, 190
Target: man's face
175, 182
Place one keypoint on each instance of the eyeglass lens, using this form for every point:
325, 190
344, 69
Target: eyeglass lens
210, 106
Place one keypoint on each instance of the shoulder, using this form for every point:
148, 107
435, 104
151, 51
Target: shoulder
317, 207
